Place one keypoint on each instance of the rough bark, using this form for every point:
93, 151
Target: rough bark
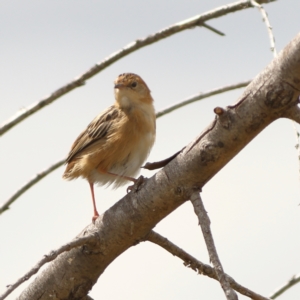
272, 94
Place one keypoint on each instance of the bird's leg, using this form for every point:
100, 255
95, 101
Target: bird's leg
136, 182
96, 214
122, 176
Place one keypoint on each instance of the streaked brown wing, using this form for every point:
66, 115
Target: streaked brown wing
95, 131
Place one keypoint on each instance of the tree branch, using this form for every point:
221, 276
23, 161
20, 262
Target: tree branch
129, 48
90, 239
204, 222
198, 266
213, 29
294, 280
294, 115
269, 27
201, 96
35, 179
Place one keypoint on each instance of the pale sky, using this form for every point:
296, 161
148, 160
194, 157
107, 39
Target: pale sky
253, 203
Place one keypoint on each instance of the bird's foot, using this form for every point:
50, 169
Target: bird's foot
137, 184
95, 217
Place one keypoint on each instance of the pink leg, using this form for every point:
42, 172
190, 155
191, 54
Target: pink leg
96, 214
136, 182
122, 176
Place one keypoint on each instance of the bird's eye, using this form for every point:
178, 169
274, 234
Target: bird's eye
133, 84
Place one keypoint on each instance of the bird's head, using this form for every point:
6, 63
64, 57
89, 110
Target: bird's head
131, 89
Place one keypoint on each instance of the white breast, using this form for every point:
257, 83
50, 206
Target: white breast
136, 158
125, 102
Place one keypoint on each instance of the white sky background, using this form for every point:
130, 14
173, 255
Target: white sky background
252, 202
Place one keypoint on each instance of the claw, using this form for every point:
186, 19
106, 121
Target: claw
136, 186
95, 217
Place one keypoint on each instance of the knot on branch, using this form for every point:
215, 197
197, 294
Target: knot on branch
178, 191
279, 96
223, 117
210, 152
219, 110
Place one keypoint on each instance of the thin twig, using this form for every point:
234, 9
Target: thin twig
213, 29
294, 280
29, 184
129, 48
204, 222
295, 115
201, 96
161, 113
297, 146
48, 258
269, 27
198, 266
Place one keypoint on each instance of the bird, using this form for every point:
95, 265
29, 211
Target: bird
116, 143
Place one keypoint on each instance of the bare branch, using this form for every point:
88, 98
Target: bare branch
213, 29
29, 184
204, 222
294, 280
297, 145
269, 27
129, 48
294, 115
198, 266
90, 239
201, 96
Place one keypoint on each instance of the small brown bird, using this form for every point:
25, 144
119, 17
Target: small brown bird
116, 143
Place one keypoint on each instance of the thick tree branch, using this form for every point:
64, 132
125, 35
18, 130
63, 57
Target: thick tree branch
204, 222
131, 47
198, 266
91, 239
267, 98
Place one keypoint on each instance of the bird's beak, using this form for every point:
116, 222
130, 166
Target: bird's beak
119, 86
